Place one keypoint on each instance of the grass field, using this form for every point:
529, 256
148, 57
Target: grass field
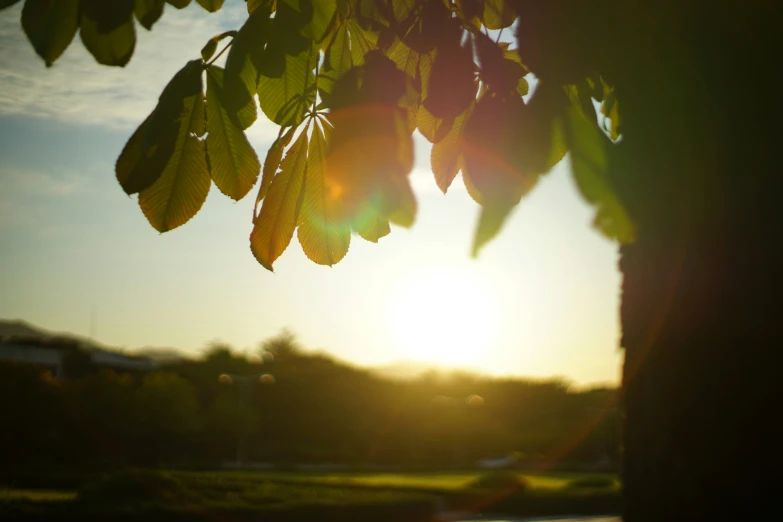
299, 497
424, 481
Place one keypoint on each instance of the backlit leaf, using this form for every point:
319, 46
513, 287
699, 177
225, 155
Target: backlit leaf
112, 48
211, 46
50, 25
183, 186
491, 220
320, 13
445, 154
179, 4
233, 163
149, 149
589, 164
148, 12
271, 163
244, 58
211, 5
285, 100
324, 238
370, 225
498, 14
279, 215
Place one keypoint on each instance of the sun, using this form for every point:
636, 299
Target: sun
443, 318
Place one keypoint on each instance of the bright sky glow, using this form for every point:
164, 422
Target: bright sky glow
541, 300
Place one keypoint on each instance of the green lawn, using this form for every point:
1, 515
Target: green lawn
424, 481
36, 495
302, 497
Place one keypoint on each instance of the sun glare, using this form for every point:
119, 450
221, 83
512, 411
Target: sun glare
443, 318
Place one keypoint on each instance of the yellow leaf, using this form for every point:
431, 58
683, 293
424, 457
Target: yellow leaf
279, 215
324, 238
233, 163
183, 186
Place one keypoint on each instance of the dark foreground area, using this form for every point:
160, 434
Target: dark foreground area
185, 496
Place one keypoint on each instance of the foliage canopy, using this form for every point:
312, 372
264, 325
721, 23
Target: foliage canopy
348, 82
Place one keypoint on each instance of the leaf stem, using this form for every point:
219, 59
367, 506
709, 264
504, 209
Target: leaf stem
218, 55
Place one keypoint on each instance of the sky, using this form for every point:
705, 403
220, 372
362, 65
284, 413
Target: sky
77, 255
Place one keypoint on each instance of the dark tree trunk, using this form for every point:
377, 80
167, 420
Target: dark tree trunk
700, 170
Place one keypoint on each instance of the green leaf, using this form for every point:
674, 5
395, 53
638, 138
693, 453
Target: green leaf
211, 46
271, 163
112, 48
589, 164
445, 154
148, 12
211, 5
233, 163
320, 13
324, 238
50, 26
370, 225
149, 149
252, 5
183, 186
279, 215
179, 4
432, 128
498, 14
244, 59
491, 220
136, 169
285, 100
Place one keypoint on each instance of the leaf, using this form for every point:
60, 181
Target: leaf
492, 152
498, 73
7, 3
111, 48
252, 5
211, 5
107, 16
179, 4
452, 82
406, 59
320, 13
50, 26
324, 238
271, 163
370, 225
233, 163
497, 14
211, 46
491, 220
285, 100
610, 109
183, 186
148, 12
242, 63
589, 164
445, 155
149, 149
432, 128
279, 215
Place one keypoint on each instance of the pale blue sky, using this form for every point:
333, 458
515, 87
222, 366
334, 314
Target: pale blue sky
71, 241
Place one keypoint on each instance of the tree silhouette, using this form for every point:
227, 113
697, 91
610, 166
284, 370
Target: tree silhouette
685, 173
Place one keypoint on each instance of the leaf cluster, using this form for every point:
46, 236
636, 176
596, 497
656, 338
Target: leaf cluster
348, 82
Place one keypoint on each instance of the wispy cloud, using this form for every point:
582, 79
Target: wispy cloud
78, 90
21, 181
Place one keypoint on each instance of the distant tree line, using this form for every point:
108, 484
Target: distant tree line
318, 410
